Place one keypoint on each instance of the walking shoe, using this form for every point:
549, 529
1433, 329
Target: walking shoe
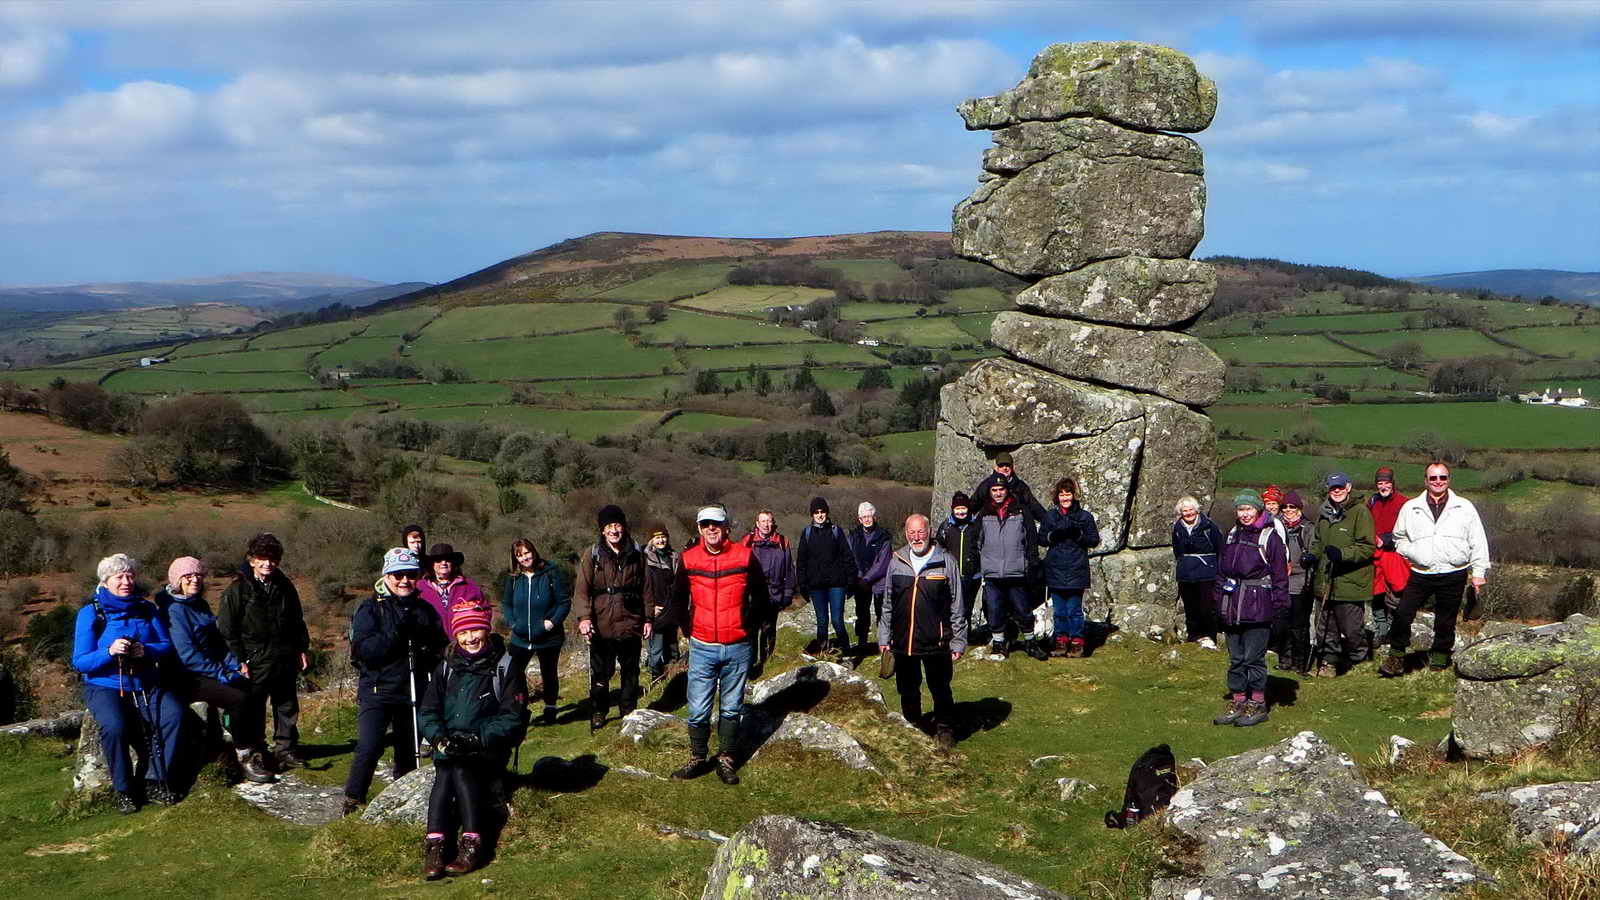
1231, 714
1036, 649
126, 804
725, 770
348, 805
997, 650
1326, 670
1393, 666
1253, 713
694, 768
1063, 646
467, 852
1207, 643
288, 759
255, 769
158, 792
433, 858
1077, 649
1438, 660
548, 717
597, 721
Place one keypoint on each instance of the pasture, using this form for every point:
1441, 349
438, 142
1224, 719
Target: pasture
423, 394
698, 422
164, 380
939, 331
699, 329
1491, 426
789, 355
753, 299
1582, 341
1437, 343
577, 424
1295, 348
476, 323
568, 355
679, 281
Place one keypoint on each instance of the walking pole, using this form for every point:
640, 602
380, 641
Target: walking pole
1319, 631
411, 683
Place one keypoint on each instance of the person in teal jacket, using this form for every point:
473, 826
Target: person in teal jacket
118, 643
534, 601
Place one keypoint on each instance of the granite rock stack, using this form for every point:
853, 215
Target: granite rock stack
1088, 193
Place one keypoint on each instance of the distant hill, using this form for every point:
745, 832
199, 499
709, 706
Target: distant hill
353, 299
1583, 287
269, 289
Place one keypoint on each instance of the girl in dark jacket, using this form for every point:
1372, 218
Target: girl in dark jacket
1070, 533
1197, 548
1252, 586
824, 569
535, 600
475, 711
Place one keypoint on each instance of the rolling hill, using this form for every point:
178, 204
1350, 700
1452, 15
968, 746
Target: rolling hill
1582, 287
266, 289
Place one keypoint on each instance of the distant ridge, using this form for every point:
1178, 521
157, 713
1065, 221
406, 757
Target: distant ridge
246, 288
1531, 284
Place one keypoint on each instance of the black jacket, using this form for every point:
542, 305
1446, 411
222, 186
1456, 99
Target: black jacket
461, 697
959, 539
1197, 552
383, 631
262, 623
1070, 536
823, 559
920, 617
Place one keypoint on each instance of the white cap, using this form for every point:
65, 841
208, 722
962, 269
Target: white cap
866, 509
711, 514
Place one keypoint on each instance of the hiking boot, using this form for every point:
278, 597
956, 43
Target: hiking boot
1438, 660
1393, 666
433, 858
255, 770
597, 721
1077, 649
1253, 713
468, 850
158, 792
126, 805
1325, 670
1063, 646
548, 717
1230, 715
287, 759
348, 805
725, 770
694, 768
997, 650
829, 651
944, 737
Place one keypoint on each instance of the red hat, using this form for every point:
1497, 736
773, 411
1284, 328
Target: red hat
1273, 493
469, 614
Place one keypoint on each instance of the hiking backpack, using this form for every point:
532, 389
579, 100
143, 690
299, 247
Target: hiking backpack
1151, 783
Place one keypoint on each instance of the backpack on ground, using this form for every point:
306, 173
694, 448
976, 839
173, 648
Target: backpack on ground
1151, 783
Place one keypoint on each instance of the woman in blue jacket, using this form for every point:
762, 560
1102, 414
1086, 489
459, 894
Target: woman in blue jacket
534, 601
117, 645
1069, 532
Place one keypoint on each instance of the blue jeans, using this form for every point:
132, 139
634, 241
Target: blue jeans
144, 721
1068, 607
826, 602
662, 648
713, 667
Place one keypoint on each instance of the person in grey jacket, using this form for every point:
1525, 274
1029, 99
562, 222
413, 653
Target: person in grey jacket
1442, 538
1008, 551
923, 627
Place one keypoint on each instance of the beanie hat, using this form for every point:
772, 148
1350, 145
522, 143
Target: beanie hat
866, 509
1248, 497
960, 498
400, 559
469, 614
655, 528
1293, 499
818, 504
184, 565
1273, 492
612, 513
1337, 479
1384, 474
1003, 458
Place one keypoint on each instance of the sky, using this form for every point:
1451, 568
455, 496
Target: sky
411, 141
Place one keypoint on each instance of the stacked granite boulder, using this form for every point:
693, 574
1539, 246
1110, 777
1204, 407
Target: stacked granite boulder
1088, 194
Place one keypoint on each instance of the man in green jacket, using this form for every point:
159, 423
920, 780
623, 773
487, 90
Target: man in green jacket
1341, 551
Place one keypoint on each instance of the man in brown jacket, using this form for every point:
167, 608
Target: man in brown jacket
609, 604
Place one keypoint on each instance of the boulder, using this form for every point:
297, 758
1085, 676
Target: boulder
1128, 290
1520, 690
1002, 402
1180, 457
1027, 144
813, 682
781, 856
761, 729
67, 724
90, 772
1169, 363
1140, 85
1135, 590
295, 801
1567, 811
403, 803
1293, 820
639, 724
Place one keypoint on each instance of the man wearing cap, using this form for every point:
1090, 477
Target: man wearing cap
824, 569
1390, 571
871, 546
922, 627
609, 604
1342, 553
958, 537
443, 585
719, 592
395, 641
1440, 535
1005, 473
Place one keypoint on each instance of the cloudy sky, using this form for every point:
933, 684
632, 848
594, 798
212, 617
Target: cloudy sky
420, 141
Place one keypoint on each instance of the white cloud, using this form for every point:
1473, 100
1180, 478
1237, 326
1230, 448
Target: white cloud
136, 117
1494, 125
29, 55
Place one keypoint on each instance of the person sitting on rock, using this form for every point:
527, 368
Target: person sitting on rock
474, 711
1252, 585
923, 627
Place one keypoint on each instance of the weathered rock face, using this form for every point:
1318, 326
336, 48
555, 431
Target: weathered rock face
779, 856
641, 723
1180, 458
89, 772
809, 678
761, 729
1520, 690
1169, 363
1140, 85
1293, 820
1543, 813
303, 804
403, 803
66, 724
1128, 290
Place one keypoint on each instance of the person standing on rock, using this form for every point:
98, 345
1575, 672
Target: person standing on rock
1070, 533
660, 574
922, 626
474, 712
609, 604
824, 569
117, 641
1442, 538
1252, 585
1343, 548
395, 641
261, 620
534, 601
958, 537
443, 585
871, 545
1197, 550
1005, 473
1390, 571
1008, 551
1291, 630
719, 590
771, 550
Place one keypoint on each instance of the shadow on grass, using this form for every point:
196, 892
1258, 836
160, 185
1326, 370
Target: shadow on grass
1281, 691
562, 776
973, 716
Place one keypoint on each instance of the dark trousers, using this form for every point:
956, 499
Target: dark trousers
460, 795
828, 603
1247, 658
869, 608
1384, 606
971, 590
1199, 609
1343, 633
1445, 591
908, 672
605, 656
374, 719
1291, 631
278, 686
144, 722
1008, 604
767, 633
549, 669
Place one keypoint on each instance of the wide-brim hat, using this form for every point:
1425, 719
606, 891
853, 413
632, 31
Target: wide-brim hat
441, 553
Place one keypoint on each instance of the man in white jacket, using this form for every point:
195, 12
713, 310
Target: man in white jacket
1440, 535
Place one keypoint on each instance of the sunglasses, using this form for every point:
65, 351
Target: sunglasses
403, 576
711, 525
1438, 477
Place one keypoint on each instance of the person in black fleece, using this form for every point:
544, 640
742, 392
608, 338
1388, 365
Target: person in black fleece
825, 569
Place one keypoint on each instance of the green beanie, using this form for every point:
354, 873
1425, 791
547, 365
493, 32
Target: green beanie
1248, 497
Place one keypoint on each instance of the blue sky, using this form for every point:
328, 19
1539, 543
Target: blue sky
421, 141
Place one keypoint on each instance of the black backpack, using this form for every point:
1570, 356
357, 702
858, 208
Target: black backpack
1151, 783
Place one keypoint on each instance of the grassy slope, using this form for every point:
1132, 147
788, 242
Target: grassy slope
1499, 425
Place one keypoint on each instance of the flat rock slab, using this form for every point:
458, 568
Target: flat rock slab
295, 801
641, 723
780, 856
1170, 363
1293, 820
1522, 689
810, 678
1130, 290
760, 730
66, 725
1002, 402
405, 802
1566, 810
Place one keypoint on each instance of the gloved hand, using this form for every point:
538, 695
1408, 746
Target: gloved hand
1334, 555
1308, 561
442, 747
1073, 532
1386, 540
465, 742
1058, 535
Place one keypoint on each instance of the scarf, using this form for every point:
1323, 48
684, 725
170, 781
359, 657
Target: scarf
1332, 511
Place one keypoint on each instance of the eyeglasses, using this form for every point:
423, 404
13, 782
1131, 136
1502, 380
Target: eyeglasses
403, 576
705, 525
1438, 477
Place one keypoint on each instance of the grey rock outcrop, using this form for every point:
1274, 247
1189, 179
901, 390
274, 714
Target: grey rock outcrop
780, 856
67, 724
813, 676
1567, 811
1129, 290
295, 801
638, 725
89, 771
405, 802
1293, 820
761, 729
1172, 364
1522, 689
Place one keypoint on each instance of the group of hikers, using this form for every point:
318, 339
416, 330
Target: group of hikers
435, 677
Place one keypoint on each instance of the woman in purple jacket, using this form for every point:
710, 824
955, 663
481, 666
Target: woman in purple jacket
1252, 586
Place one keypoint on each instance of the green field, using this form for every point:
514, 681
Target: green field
354, 352
645, 387
907, 443
1582, 341
157, 379
677, 282
1314, 324
794, 355
1490, 426
398, 322
302, 400
438, 394
979, 299
290, 360
1304, 473
754, 298
927, 332
847, 379
865, 271
578, 424
310, 335
472, 323
1300, 348
697, 422
118, 359
701, 329
866, 309
209, 347
1374, 376
1437, 343
589, 353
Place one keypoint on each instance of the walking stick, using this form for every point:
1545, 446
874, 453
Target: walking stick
411, 682
1319, 630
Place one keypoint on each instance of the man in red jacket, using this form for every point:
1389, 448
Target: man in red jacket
719, 593
1390, 571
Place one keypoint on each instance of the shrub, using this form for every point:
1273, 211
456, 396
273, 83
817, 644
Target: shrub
49, 635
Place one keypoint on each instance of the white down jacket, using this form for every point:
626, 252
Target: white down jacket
1450, 544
